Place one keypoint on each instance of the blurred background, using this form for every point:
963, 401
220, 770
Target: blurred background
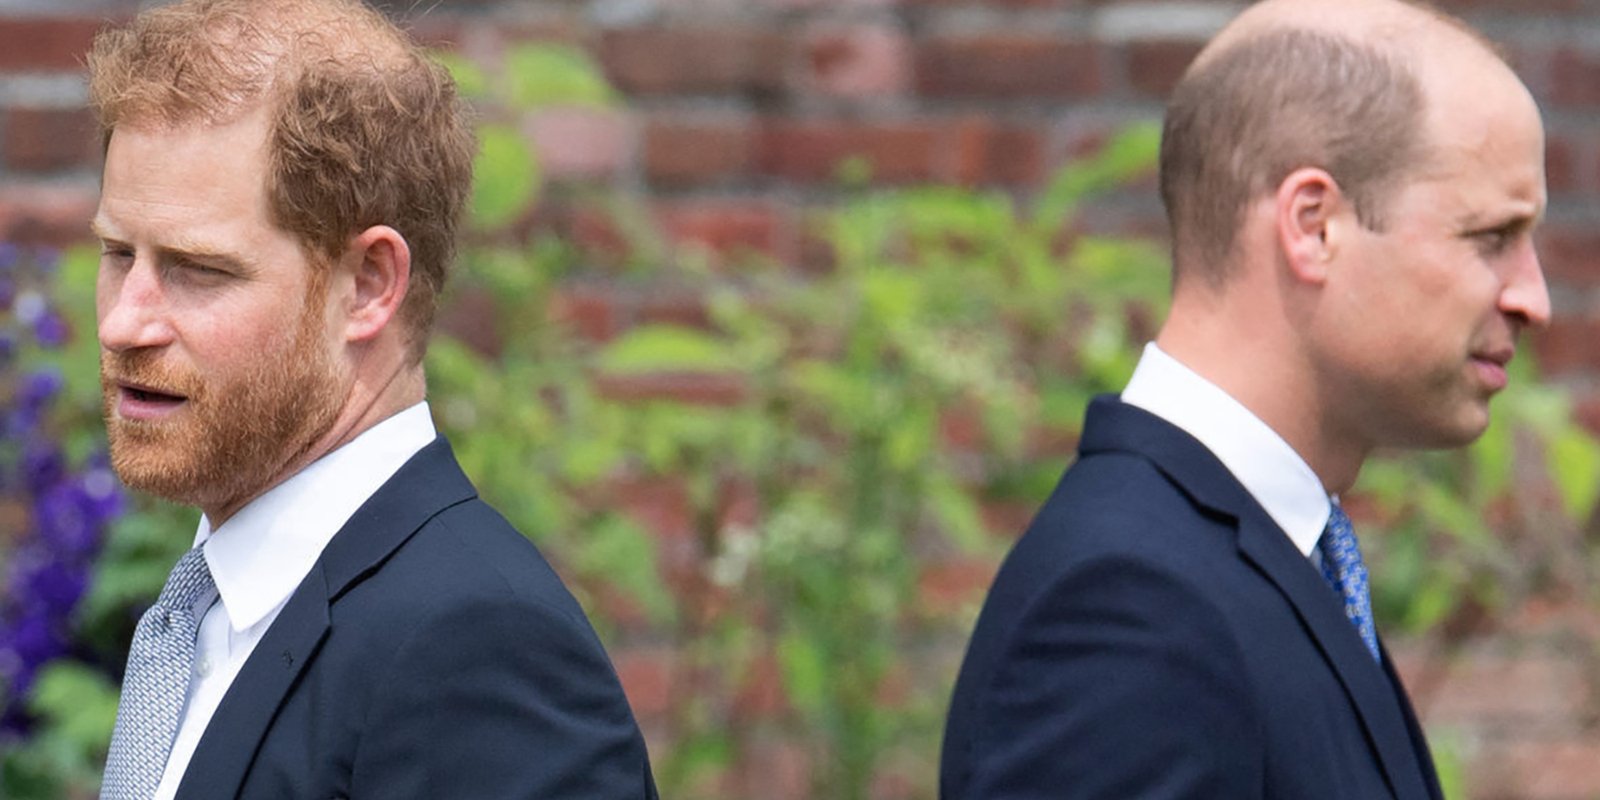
774, 322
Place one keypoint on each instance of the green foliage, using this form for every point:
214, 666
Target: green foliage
943, 308
76, 706
505, 176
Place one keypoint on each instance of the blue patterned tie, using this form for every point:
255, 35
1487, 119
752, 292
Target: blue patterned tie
1341, 566
156, 685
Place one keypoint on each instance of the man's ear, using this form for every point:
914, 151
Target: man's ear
1308, 205
380, 264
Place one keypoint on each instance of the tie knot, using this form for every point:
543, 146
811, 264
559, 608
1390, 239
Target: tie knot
189, 581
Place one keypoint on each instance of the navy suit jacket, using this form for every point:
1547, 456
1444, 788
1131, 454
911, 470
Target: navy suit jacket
430, 653
1155, 634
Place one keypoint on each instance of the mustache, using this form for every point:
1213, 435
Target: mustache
144, 368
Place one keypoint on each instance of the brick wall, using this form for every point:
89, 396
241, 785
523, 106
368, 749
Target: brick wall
740, 112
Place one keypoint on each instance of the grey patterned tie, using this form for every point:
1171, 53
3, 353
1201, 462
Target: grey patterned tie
157, 682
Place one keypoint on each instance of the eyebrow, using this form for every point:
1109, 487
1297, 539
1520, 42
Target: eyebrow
1518, 219
188, 249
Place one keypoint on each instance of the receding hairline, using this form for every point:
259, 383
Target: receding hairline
1402, 29
274, 43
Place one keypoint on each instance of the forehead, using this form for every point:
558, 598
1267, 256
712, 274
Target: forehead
1486, 132
190, 180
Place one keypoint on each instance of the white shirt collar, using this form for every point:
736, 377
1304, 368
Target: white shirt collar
261, 554
1274, 474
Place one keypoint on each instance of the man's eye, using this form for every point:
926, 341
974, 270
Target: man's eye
201, 270
1494, 241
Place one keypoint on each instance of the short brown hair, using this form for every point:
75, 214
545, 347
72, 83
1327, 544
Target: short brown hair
366, 129
1241, 122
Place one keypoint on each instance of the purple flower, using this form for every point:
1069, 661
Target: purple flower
49, 588
8, 292
51, 329
43, 465
8, 349
35, 641
66, 520
53, 588
102, 492
39, 388
10, 254
46, 259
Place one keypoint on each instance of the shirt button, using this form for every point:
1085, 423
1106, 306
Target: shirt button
203, 669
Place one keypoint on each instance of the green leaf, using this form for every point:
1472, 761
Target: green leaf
1574, 463
805, 672
471, 81
626, 555
667, 348
544, 75
959, 517
505, 177
79, 702
1130, 153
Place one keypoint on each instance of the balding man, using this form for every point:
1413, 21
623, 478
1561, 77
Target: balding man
1352, 188
283, 181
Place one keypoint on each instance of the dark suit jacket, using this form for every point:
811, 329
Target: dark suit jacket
430, 653
1155, 635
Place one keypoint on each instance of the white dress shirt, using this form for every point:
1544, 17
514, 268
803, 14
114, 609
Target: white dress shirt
263, 552
1270, 470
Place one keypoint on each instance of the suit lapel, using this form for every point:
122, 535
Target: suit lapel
428, 483
228, 746
1376, 697
1375, 694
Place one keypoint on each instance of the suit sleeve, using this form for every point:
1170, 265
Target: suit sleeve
1120, 680
500, 698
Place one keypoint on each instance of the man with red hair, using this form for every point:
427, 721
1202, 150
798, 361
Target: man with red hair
283, 181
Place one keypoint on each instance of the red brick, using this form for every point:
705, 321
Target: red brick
680, 151
673, 307
1562, 157
31, 214
813, 150
40, 140
1155, 66
1482, 688
1008, 66
648, 61
1544, 769
45, 44
986, 152
1007, 519
728, 229
774, 769
761, 694
1575, 78
579, 142
470, 315
946, 587
646, 675
859, 61
593, 232
704, 389
589, 309
1570, 254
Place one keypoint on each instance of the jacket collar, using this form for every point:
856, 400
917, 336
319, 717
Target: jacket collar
1380, 703
427, 484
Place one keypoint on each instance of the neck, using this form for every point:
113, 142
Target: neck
1243, 349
